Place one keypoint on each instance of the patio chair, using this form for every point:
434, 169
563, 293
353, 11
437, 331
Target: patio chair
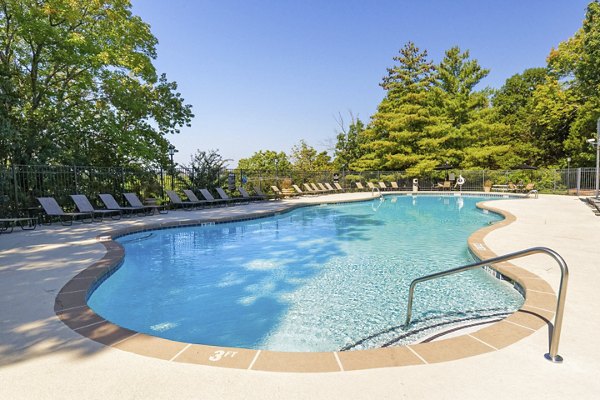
394, 185
209, 197
260, 193
111, 204
192, 198
84, 205
444, 186
25, 223
338, 186
300, 192
52, 209
249, 197
134, 201
307, 190
383, 186
512, 187
225, 196
186, 205
276, 191
359, 186
324, 189
316, 189
331, 188
370, 185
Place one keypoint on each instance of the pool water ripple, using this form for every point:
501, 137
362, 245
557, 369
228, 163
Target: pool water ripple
314, 279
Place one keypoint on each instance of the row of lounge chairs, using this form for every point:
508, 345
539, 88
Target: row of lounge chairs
310, 189
379, 186
87, 213
224, 199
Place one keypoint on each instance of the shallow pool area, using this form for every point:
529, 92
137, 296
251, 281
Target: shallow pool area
319, 278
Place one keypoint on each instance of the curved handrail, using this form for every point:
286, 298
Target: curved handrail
373, 192
552, 355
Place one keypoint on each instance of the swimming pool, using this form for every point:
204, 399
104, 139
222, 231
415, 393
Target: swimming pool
314, 279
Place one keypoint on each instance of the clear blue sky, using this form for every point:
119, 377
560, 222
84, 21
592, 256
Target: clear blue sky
265, 74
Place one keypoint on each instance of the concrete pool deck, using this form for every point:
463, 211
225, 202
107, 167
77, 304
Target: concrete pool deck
40, 357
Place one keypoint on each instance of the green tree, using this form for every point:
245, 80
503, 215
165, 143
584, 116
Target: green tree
392, 139
77, 85
307, 159
461, 116
267, 161
207, 169
575, 64
348, 147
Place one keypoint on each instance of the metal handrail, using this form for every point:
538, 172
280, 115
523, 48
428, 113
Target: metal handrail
373, 192
552, 355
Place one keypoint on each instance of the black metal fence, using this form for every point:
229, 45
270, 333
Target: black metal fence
21, 184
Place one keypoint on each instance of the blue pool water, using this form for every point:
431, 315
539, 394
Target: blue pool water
318, 278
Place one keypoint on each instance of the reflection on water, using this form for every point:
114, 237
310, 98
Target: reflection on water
314, 279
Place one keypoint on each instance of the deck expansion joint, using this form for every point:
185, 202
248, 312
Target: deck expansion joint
180, 352
417, 354
481, 341
521, 326
337, 358
127, 338
87, 326
254, 359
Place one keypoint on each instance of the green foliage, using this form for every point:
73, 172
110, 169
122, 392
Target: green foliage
77, 85
207, 170
267, 161
306, 159
348, 148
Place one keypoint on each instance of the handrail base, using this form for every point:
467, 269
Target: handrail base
556, 359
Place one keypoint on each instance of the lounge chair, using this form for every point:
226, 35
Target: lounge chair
249, 197
134, 201
316, 189
331, 188
260, 192
52, 209
299, 192
192, 199
209, 197
512, 187
371, 186
383, 186
224, 196
394, 185
338, 186
278, 193
25, 223
307, 190
359, 186
323, 188
84, 205
186, 205
111, 204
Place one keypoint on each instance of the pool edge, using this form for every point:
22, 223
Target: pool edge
71, 308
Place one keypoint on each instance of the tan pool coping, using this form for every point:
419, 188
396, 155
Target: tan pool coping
537, 312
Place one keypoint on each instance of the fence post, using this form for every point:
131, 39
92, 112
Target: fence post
578, 180
162, 183
122, 180
15, 186
75, 176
